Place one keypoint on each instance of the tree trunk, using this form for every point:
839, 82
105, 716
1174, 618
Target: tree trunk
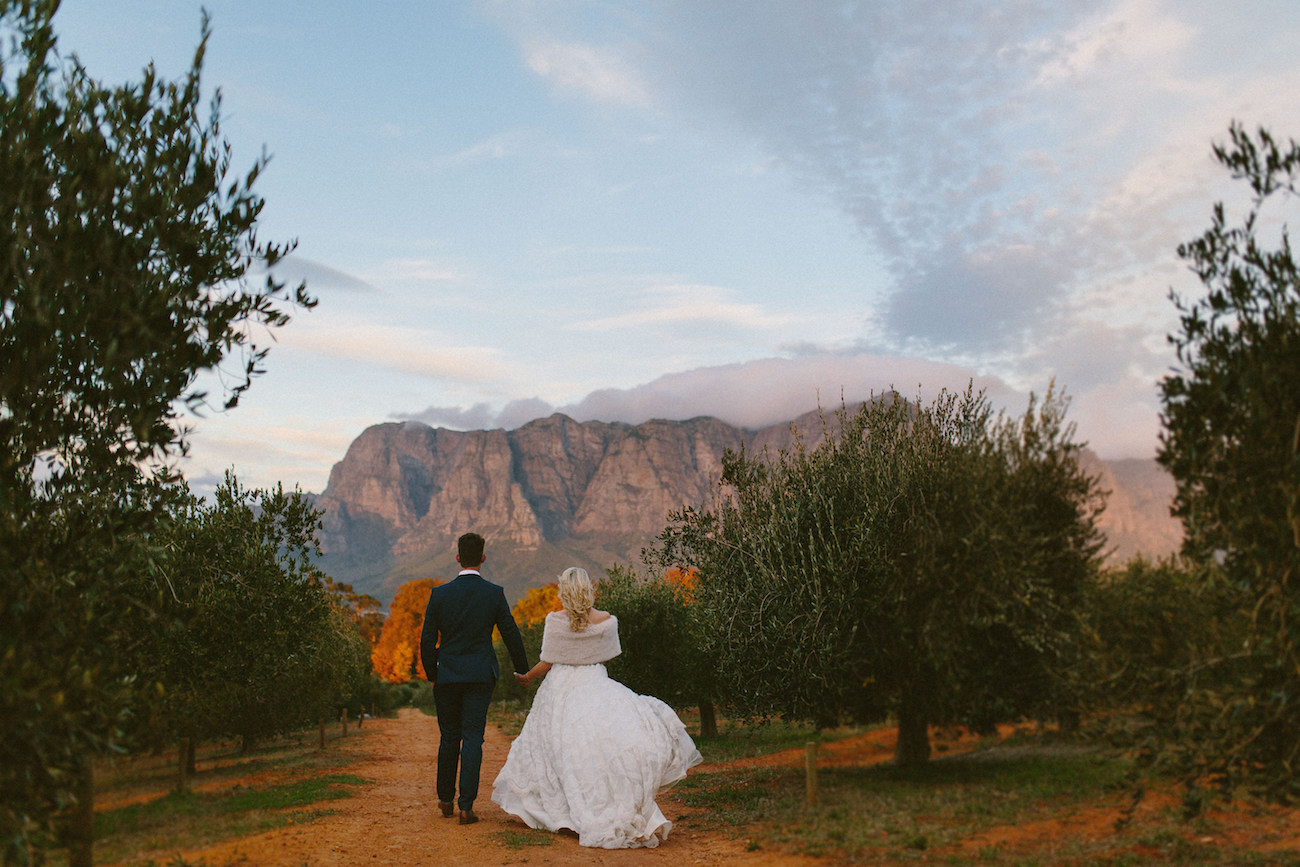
191, 757
913, 747
1068, 720
708, 720
183, 772
81, 819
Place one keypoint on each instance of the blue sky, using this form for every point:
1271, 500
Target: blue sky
736, 208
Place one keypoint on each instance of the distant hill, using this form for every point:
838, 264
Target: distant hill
556, 493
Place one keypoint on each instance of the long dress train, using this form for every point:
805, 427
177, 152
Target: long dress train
591, 757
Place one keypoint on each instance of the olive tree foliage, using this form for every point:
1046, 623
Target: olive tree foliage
256, 644
1231, 440
660, 633
1152, 626
920, 562
124, 252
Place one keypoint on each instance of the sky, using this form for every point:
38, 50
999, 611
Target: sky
736, 208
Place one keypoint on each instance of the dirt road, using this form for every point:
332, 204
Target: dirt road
396, 821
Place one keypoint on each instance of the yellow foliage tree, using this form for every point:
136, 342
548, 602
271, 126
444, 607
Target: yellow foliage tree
536, 604
396, 656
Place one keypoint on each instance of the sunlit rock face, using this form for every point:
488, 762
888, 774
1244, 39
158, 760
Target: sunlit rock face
557, 492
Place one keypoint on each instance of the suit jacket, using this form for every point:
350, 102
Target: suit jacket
456, 643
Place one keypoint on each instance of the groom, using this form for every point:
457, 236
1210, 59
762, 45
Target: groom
456, 648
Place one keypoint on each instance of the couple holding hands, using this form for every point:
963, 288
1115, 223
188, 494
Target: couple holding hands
592, 754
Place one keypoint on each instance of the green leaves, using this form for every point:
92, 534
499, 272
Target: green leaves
255, 644
127, 256
124, 265
911, 559
1232, 443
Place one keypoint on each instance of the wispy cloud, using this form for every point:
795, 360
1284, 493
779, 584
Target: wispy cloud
678, 304
423, 270
1025, 171
259, 453
480, 416
320, 278
773, 390
410, 350
598, 72
496, 147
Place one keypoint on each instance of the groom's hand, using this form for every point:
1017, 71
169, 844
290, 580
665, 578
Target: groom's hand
521, 679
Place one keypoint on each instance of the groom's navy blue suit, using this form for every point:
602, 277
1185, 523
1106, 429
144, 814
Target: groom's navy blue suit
456, 648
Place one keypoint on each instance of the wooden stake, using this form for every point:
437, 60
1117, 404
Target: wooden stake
810, 767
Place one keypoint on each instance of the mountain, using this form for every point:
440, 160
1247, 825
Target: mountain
556, 493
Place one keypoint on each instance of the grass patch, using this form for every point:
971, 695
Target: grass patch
740, 741
295, 794
729, 799
192, 819
508, 716
513, 839
282, 781
885, 814
293, 754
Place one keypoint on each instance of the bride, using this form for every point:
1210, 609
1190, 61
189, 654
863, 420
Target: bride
592, 754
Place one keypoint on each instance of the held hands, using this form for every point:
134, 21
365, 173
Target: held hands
537, 671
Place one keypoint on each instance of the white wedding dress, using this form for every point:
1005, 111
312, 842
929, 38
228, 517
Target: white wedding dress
592, 754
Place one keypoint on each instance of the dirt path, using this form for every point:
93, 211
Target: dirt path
396, 821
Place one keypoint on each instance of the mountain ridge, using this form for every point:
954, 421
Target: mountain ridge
556, 492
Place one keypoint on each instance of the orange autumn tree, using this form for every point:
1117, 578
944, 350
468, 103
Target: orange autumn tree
683, 581
396, 656
536, 604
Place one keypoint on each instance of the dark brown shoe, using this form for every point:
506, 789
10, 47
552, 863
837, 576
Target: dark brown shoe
446, 807
467, 817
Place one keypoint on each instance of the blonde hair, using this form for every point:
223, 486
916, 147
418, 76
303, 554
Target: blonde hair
577, 595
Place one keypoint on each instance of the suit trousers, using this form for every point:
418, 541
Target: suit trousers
462, 717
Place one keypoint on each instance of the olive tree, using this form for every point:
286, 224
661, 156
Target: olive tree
921, 562
1231, 440
256, 643
660, 632
126, 249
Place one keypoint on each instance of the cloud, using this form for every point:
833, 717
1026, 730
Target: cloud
772, 390
405, 349
677, 304
320, 278
496, 147
480, 416
261, 455
600, 73
519, 412
423, 270
750, 394
1001, 158
1115, 408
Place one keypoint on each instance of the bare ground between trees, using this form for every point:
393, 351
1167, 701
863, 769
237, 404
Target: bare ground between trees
395, 820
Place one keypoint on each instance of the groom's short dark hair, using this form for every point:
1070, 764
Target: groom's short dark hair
469, 550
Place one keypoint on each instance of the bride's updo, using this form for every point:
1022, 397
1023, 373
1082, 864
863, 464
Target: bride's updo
577, 596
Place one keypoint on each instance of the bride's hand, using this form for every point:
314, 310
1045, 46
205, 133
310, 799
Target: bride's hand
522, 679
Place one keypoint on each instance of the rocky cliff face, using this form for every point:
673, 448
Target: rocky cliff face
557, 492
